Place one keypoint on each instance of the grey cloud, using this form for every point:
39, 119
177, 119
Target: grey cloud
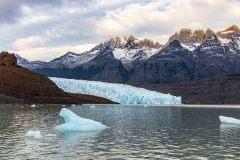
74, 22
10, 11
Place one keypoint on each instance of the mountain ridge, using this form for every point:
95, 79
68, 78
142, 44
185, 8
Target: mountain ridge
187, 56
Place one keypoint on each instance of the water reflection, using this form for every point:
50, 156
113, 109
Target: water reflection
75, 136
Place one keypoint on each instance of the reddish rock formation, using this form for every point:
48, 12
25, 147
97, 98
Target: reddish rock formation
7, 59
232, 31
30, 87
189, 37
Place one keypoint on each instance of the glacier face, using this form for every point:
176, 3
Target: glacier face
120, 93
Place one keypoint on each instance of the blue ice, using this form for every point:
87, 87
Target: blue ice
75, 123
33, 135
120, 93
229, 120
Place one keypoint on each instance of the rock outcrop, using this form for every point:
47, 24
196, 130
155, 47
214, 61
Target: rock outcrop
230, 32
7, 59
31, 87
191, 38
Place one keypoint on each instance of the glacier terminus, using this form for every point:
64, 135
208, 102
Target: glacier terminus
120, 93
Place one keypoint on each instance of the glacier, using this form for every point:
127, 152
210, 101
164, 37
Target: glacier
75, 123
229, 120
120, 93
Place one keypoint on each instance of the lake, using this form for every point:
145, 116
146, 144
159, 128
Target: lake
135, 132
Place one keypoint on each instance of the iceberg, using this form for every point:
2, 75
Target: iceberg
229, 120
33, 135
120, 93
33, 106
92, 106
75, 123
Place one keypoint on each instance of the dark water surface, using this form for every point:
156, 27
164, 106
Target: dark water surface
135, 132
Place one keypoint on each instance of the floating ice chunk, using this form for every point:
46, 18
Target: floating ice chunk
33, 106
73, 105
229, 120
120, 93
92, 106
145, 105
75, 123
33, 135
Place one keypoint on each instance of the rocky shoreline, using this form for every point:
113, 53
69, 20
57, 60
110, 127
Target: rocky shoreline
221, 90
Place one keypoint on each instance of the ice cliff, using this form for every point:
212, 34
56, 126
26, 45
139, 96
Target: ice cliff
120, 93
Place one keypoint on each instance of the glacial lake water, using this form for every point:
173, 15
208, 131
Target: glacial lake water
136, 132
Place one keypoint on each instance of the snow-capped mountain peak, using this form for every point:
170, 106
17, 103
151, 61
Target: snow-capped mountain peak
128, 49
125, 55
72, 60
29, 64
191, 40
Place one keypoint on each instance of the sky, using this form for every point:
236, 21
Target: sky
46, 29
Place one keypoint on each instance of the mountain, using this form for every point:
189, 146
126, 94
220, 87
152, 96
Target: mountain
110, 61
29, 64
187, 56
171, 64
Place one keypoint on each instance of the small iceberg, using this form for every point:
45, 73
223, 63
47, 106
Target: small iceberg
33, 106
229, 120
33, 135
92, 106
75, 123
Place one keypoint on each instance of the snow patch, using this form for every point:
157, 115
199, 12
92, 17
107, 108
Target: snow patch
190, 48
127, 56
224, 40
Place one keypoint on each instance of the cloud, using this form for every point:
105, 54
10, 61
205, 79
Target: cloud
28, 42
42, 28
10, 10
167, 16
